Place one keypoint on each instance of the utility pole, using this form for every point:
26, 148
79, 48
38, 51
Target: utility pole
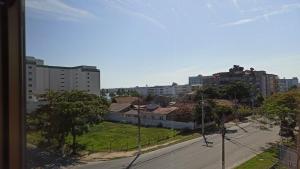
203, 115
298, 142
139, 128
223, 142
202, 118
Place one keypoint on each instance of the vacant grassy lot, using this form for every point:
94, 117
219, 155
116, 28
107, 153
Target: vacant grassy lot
264, 160
108, 136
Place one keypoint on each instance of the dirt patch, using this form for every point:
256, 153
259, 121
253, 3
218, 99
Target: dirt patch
104, 156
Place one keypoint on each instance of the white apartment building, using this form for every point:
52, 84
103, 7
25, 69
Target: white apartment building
168, 90
41, 78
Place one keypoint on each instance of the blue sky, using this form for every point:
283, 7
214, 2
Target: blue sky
157, 42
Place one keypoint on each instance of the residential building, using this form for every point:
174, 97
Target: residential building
173, 90
272, 84
265, 84
286, 84
41, 78
195, 80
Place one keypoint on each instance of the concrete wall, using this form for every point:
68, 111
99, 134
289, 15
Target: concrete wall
153, 122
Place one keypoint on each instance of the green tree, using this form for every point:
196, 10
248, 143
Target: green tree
213, 111
208, 92
103, 92
112, 94
219, 111
283, 107
67, 113
208, 106
237, 90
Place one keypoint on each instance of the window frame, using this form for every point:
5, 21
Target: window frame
12, 84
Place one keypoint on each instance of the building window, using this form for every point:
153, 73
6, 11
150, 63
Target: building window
30, 73
29, 67
88, 85
88, 73
30, 91
62, 74
62, 78
30, 79
88, 81
29, 85
62, 82
29, 97
62, 86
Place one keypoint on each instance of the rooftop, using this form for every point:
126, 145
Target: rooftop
117, 107
126, 99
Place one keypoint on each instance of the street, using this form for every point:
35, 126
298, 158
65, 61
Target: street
242, 143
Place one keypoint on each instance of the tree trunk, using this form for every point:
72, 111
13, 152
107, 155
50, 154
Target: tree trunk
74, 141
74, 144
62, 145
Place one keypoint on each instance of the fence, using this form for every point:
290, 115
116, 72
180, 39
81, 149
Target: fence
288, 157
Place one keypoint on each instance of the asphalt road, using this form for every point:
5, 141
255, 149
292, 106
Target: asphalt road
244, 142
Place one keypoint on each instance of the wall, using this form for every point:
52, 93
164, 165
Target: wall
151, 122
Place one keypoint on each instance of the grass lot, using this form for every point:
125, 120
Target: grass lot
108, 136
264, 160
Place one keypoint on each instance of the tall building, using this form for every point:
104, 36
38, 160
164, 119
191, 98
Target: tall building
265, 84
286, 84
196, 80
41, 78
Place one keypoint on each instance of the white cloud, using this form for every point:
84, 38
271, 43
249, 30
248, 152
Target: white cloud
236, 4
266, 15
58, 9
127, 8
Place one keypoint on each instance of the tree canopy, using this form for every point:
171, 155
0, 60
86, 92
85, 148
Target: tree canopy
67, 113
284, 107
